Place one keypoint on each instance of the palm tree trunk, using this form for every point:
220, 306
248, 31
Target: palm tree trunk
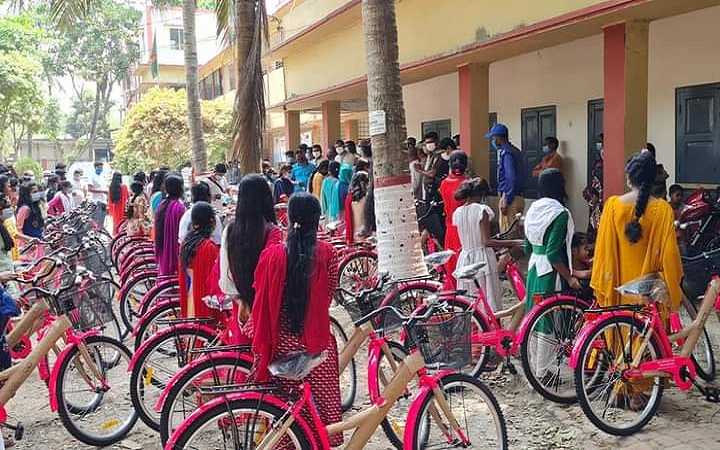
199, 155
249, 109
399, 249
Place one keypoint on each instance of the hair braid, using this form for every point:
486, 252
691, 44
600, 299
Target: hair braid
641, 172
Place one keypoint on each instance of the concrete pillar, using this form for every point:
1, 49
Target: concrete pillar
474, 91
350, 130
626, 91
292, 129
331, 131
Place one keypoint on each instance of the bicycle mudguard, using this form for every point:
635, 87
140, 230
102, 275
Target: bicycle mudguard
149, 297
590, 328
180, 373
427, 383
536, 310
64, 354
150, 312
247, 395
164, 333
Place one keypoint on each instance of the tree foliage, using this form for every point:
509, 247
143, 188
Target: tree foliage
25, 164
155, 132
22, 102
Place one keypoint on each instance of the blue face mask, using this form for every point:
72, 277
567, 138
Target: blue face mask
494, 144
98, 171
545, 149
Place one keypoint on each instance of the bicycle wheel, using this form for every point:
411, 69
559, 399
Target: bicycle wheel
149, 324
96, 412
475, 408
545, 350
156, 365
132, 295
239, 424
612, 402
702, 355
357, 270
348, 378
184, 397
393, 424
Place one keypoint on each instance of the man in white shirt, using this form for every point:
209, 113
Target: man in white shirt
98, 193
218, 186
79, 190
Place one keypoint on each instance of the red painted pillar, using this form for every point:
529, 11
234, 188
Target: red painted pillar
473, 87
625, 83
292, 129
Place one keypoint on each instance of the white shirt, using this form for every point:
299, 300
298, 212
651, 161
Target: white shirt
78, 192
186, 224
226, 283
216, 191
98, 182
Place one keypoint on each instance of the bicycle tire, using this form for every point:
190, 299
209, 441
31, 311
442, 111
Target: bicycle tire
166, 288
140, 378
453, 382
211, 416
178, 388
537, 384
147, 320
347, 393
708, 372
66, 415
350, 261
127, 313
583, 400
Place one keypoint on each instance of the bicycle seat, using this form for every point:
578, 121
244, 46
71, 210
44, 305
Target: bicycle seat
469, 272
297, 365
439, 258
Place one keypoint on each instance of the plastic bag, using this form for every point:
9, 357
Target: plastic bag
218, 302
650, 286
296, 365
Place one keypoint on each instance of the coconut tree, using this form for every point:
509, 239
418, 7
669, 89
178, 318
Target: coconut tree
244, 22
399, 249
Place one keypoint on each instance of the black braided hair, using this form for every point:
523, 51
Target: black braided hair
641, 173
203, 223
475, 187
303, 217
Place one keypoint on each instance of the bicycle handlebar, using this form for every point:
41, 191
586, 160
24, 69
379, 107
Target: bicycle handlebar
407, 320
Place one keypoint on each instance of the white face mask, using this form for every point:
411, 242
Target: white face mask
431, 147
37, 196
7, 213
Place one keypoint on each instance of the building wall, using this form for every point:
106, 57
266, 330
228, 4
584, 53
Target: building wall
683, 52
339, 56
433, 99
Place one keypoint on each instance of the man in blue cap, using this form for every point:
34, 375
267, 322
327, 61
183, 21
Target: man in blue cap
511, 175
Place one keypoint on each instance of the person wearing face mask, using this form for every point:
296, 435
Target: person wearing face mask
30, 219
7, 243
335, 150
347, 154
593, 192
317, 154
79, 189
551, 158
301, 171
61, 202
98, 194
290, 157
448, 187
511, 175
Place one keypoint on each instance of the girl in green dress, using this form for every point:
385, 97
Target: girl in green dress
548, 237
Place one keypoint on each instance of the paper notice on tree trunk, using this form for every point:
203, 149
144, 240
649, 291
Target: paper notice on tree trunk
377, 123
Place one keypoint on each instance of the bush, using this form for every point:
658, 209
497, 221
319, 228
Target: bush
24, 164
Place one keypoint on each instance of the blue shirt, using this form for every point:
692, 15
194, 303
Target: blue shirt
511, 172
301, 174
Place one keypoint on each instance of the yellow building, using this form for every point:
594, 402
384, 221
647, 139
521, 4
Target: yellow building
635, 70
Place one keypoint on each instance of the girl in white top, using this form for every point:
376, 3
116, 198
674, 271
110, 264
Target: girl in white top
473, 223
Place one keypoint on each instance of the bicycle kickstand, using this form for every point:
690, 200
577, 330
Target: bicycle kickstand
18, 429
508, 366
710, 391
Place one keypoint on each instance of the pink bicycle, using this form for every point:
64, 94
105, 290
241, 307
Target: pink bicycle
450, 409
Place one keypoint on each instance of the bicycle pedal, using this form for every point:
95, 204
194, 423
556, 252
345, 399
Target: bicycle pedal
509, 367
712, 394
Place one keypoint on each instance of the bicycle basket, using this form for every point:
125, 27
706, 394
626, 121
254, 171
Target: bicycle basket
444, 339
88, 306
93, 259
359, 306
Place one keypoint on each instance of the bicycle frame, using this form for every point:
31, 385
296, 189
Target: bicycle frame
364, 423
668, 364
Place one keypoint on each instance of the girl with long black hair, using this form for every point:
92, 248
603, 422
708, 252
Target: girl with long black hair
294, 283
636, 237
167, 225
30, 219
197, 256
117, 201
253, 230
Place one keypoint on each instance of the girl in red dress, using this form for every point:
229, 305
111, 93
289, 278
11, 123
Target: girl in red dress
117, 201
197, 257
448, 187
293, 287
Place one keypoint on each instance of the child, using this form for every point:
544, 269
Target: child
284, 186
582, 262
472, 220
676, 199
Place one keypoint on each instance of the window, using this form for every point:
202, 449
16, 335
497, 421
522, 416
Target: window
537, 124
441, 127
697, 134
177, 40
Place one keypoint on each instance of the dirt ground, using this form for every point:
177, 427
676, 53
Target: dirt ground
685, 420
